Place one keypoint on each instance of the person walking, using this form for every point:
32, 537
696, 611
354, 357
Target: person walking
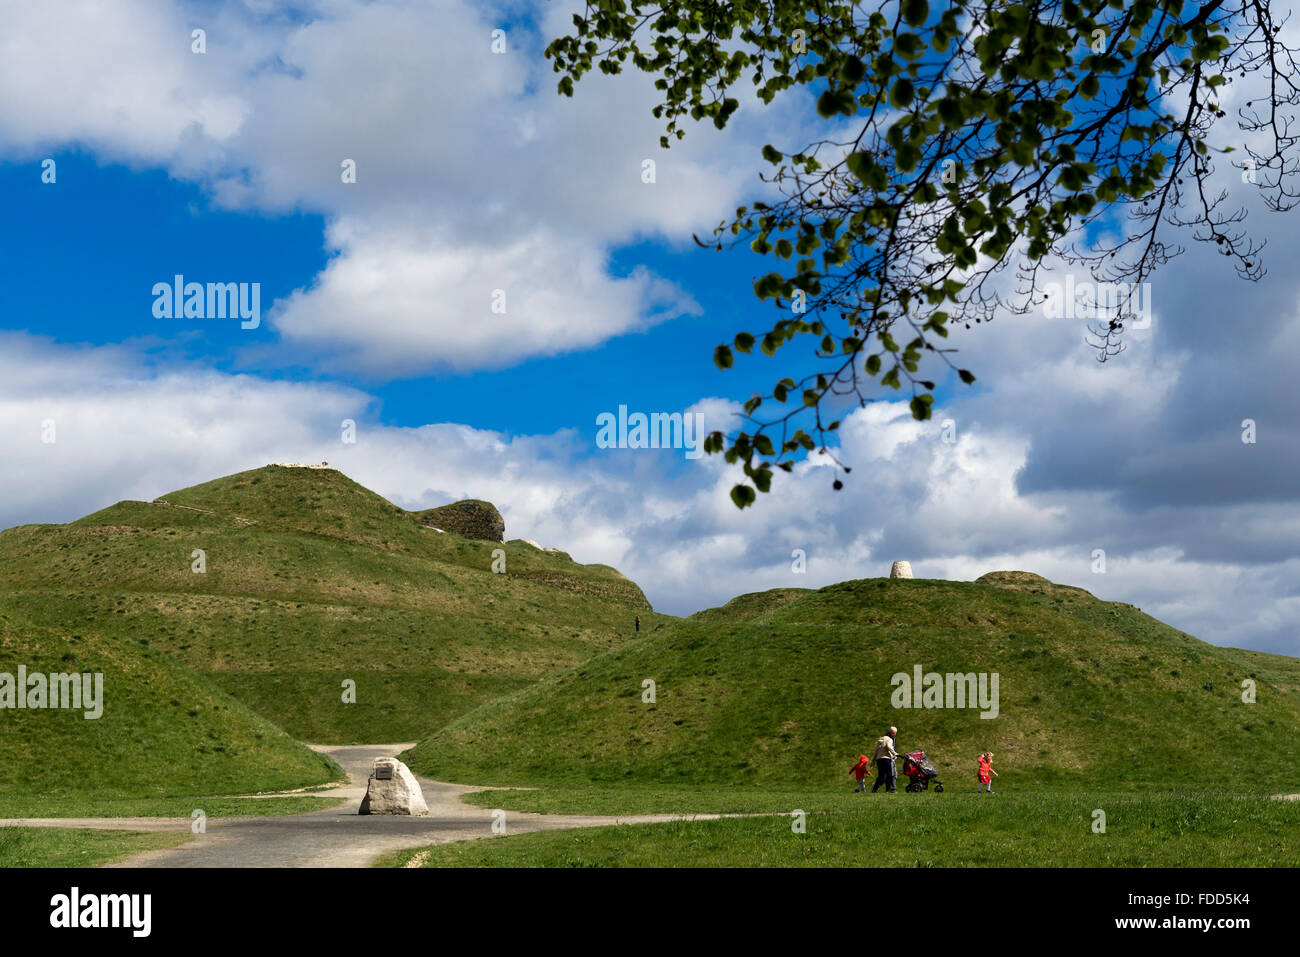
886, 755
638, 624
861, 772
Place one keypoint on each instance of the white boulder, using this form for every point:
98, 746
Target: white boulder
392, 789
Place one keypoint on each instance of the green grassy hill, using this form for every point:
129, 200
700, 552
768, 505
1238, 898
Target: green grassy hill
163, 731
783, 689
312, 580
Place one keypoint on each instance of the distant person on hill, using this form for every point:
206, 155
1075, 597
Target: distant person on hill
861, 772
986, 772
886, 755
638, 623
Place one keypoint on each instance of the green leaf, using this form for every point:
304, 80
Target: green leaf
966, 376
742, 495
915, 12
909, 45
722, 357
902, 94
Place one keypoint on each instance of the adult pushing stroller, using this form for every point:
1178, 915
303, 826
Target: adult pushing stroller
921, 771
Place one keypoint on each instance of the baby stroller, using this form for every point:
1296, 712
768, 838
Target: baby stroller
921, 771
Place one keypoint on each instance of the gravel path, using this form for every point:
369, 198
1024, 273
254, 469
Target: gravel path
338, 836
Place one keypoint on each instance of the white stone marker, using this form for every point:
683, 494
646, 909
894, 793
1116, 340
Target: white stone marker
392, 789
900, 570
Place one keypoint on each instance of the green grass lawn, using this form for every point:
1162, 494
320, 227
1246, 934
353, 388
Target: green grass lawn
92, 805
77, 847
948, 830
631, 799
616, 799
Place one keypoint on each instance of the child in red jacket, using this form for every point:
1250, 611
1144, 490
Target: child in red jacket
986, 772
861, 772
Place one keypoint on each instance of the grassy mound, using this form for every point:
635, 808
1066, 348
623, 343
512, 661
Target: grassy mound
163, 731
314, 591
784, 689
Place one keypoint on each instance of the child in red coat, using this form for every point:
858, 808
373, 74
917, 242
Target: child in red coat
986, 772
861, 772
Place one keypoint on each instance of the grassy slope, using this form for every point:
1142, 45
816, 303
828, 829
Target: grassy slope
1030, 830
312, 579
164, 732
784, 689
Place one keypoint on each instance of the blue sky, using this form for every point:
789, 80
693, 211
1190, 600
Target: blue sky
472, 176
91, 249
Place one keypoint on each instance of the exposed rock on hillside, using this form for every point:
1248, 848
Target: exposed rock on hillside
471, 518
995, 578
1029, 582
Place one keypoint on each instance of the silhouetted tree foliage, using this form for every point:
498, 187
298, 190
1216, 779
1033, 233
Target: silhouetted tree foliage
961, 138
